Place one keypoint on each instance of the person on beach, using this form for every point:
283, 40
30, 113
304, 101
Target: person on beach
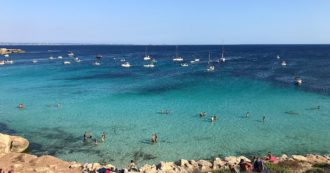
247, 115
103, 136
154, 138
271, 158
132, 167
263, 119
259, 166
245, 166
21, 106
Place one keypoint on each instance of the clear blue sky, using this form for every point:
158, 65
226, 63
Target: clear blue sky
165, 21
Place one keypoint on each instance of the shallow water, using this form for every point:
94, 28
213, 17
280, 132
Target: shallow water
125, 102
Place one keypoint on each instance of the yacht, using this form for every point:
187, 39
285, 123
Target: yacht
184, 65
6, 55
283, 63
2, 62
126, 64
71, 54
59, 57
222, 59
9, 61
51, 58
34, 61
66, 62
177, 58
151, 65
76, 59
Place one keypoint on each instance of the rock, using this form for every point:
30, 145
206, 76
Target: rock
12, 144
109, 166
148, 169
218, 164
299, 158
311, 158
204, 165
96, 166
235, 160
165, 166
41, 169
75, 165
283, 158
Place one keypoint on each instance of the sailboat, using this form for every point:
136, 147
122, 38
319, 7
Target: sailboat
222, 59
177, 58
210, 68
146, 56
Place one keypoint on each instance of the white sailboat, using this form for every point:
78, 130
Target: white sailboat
210, 67
278, 57
222, 59
59, 57
146, 56
196, 60
96, 63
177, 58
6, 55
9, 61
76, 59
51, 58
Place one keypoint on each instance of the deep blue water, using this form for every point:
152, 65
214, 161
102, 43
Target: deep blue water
124, 102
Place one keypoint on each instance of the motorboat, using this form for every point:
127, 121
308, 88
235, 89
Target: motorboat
151, 65
71, 54
184, 65
34, 61
147, 58
298, 81
66, 62
96, 63
59, 57
51, 58
6, 55
196, 60
9, 61
76, 59
126, 65
178, 59
99, 56
222, 59
283, 63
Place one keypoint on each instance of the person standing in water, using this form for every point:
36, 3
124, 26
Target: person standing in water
154, 138
247, 115
263, 119
85, 137
103, 136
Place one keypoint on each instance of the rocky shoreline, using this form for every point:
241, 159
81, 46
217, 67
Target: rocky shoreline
12, 158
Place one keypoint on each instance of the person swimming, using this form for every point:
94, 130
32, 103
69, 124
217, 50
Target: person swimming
202, 114
21, 106
85, 137
154, 138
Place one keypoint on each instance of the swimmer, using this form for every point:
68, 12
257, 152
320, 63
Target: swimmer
202, 114
95, 141
247, 115
85, 137
263, 119
21, 106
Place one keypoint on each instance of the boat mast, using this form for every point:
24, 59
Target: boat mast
176, 52
209, 57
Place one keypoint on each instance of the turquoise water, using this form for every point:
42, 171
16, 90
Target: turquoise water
124, 103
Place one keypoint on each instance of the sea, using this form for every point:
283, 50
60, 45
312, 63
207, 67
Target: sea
62, 102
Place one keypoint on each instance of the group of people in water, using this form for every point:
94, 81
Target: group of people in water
90, 136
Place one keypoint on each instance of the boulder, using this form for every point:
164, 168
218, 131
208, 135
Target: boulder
12, 144
165, 166
299, 158
204, 165
311, 158
148, 169
283, 158
235, 160
218, 164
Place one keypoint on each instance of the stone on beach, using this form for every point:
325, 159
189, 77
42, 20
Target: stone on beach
18, 143
235, 160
